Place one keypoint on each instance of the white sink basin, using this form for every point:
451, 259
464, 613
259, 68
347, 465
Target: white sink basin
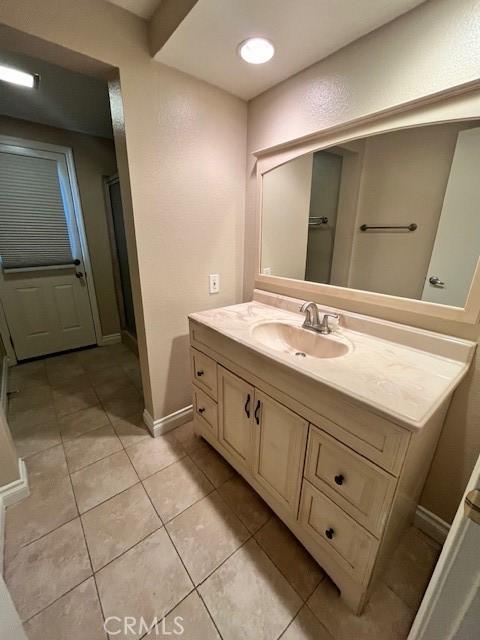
297, 341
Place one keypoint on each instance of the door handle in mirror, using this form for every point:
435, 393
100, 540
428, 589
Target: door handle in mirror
79, 274
435, 280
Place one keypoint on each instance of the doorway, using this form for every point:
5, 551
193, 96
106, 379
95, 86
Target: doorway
322, 221
118, 241
46, 288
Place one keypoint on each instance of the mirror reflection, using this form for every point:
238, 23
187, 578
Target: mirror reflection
396, 213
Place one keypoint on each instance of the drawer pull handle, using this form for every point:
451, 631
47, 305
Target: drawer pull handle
330, 533
247, 406
257, 409
201, 409
339, 479
200, 373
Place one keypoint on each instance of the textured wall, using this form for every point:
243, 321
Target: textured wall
185, 142
430, 49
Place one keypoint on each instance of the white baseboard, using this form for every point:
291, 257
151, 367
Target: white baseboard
112, 338
163, 425
431, 524
4, 385
9, 494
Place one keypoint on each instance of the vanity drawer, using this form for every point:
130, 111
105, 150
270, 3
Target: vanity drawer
359, 487
351, 545
204, 371
205, 408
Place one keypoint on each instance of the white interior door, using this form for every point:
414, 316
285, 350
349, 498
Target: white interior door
457, 243
450, 609
44, 289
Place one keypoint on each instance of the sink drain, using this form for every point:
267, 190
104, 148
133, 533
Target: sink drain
301, 354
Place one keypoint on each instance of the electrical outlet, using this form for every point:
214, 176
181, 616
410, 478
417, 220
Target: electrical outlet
214, 279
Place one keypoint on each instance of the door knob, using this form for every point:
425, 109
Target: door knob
435, 280
472, 505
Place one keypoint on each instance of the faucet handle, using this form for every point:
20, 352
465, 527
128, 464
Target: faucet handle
331, 315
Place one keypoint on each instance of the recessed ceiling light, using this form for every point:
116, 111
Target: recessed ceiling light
15, 76
256, 50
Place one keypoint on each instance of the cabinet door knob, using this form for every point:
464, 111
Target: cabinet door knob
200, 373
257, 409
247, 406
201, 409
339, 479
330, 533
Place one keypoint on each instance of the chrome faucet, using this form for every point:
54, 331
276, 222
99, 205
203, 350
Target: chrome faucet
312, 319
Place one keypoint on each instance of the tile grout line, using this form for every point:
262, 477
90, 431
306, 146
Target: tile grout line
56, 600
172, 543
184, 566
86, 547
304, 600
141, 481
92, 575
86, 542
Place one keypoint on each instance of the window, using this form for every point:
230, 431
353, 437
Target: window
33, 223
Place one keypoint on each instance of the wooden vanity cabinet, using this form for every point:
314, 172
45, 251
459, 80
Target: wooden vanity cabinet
344, 480
263, 436
279, 444
235, 416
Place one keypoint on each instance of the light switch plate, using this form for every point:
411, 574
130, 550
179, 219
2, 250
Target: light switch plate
214, 280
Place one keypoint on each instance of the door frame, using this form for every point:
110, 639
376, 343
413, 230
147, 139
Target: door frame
437, 602
67, 153
117, 279
107, 181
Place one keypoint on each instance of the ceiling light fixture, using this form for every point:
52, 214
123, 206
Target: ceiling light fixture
15, 76
256, 50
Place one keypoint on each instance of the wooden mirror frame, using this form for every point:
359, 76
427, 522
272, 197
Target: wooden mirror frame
451, 106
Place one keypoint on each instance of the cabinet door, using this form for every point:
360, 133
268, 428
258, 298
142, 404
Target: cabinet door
235, 413
280, 438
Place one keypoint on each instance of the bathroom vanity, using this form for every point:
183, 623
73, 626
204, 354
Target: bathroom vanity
336, 433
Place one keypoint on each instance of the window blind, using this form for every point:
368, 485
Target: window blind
33, 226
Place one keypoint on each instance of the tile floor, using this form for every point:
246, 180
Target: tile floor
119, 524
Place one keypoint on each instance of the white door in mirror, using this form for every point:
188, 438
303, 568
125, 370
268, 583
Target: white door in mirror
455, 251
214, 283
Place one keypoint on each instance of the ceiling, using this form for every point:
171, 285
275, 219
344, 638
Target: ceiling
143, 8
64, 99
303, 32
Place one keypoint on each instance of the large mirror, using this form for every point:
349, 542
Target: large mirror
395, 213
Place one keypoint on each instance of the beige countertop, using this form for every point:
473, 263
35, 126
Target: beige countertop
405, 382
